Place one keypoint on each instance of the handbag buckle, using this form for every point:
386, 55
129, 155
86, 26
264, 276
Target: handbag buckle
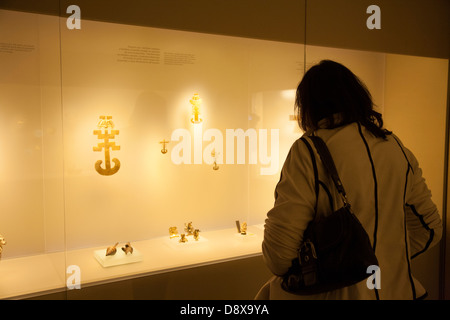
308, 262
307, 249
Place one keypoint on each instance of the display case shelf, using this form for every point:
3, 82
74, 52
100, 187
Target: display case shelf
35, 275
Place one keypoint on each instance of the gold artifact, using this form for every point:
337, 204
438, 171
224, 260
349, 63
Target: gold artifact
215, 166
244, 228
173, 232
105, 123
183, 238
196, 101
164, 149
127, 248
110, 251
2, 243
189, 229
196, 234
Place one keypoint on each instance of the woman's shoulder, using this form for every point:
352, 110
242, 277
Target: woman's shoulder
300, 153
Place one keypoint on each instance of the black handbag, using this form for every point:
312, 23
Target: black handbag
336, 250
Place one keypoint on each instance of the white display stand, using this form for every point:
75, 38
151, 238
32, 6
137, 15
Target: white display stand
118, 259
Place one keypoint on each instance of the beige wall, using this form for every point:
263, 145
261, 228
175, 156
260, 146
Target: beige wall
406, 25
415, 109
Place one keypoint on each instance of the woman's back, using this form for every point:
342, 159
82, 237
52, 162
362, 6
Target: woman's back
383, 181
385, 187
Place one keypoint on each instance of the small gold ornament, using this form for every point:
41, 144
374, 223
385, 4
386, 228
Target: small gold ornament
164, 149
173, 232
189, 229
214, 155
127, 248
196, 234
183, 238
110, 251
105, 122
244, 228
195, 102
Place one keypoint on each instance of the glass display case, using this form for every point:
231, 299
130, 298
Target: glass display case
132, 150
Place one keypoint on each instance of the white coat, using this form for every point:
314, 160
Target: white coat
385, 187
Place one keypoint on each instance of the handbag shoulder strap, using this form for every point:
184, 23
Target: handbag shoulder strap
316, 172
328, 162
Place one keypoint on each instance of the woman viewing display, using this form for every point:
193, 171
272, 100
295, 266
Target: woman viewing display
382, 179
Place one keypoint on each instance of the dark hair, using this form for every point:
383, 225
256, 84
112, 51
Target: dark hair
330, 88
